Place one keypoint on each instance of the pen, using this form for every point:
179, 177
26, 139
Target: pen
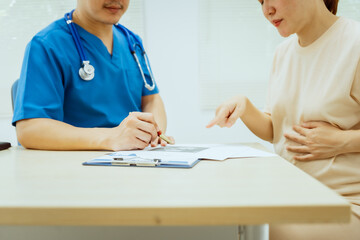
163, 137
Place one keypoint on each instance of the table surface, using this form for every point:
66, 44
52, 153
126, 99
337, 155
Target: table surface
54, 188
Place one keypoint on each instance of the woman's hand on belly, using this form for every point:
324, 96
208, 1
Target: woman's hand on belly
316, 140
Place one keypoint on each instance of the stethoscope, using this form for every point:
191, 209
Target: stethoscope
87, 71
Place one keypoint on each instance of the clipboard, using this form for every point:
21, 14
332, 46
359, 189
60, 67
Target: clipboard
132, 160
176, 156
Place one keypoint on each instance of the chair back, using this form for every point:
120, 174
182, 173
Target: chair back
14, 92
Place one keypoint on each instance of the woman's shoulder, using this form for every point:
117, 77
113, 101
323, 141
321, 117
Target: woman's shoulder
348, 35
349, 28
350, 23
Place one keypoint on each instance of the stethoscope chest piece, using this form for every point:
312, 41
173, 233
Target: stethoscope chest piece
87, 71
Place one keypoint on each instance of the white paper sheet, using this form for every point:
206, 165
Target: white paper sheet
222, 152
190, 153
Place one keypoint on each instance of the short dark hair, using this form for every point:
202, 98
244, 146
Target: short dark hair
332, 5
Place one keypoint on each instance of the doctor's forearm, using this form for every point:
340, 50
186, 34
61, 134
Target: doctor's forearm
154, 104
49, 134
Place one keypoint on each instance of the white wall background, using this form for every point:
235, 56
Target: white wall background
173, 47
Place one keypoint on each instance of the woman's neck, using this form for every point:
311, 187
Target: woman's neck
320, 22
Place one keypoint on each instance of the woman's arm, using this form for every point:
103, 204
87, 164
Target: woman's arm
237, 107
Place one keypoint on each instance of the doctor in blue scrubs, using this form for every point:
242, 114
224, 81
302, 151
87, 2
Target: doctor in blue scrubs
90, 97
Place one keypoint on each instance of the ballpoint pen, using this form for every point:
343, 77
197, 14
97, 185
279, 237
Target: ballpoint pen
163, 137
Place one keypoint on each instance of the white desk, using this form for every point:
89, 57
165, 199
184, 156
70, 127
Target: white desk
53, 188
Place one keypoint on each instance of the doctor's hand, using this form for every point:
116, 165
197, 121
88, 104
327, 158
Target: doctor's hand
136, 131
316, 140
229, 112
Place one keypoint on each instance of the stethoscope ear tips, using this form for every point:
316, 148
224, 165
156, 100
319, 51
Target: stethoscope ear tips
87, 71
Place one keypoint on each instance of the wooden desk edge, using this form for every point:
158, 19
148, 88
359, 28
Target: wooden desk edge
186, 216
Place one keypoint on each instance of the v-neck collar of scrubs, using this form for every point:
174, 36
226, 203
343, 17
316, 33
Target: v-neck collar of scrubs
89, 37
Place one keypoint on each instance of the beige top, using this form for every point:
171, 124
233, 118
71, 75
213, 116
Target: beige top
320, 82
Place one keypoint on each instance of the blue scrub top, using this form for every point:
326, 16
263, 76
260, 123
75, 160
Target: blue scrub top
50, 85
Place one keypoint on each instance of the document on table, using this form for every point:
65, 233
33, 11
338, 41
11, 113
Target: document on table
185, 155
222, 152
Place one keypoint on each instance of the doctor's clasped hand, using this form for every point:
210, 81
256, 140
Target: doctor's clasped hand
135, 132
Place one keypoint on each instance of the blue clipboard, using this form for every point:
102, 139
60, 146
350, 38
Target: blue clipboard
132, 160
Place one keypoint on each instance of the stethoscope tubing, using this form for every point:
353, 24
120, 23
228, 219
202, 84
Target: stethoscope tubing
132, 48
75, 36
